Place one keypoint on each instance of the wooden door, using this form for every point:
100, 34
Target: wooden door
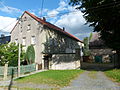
46, 64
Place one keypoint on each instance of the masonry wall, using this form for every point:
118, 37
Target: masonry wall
58, 42
36, 29
64, 61
105, 51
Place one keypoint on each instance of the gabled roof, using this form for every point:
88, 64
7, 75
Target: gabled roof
51, 26
96, 42
4, 39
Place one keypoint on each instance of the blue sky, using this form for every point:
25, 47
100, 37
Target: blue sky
53, 10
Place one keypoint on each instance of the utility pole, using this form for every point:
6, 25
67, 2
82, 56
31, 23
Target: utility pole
19, 51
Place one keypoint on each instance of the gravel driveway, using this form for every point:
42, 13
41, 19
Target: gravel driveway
95, 81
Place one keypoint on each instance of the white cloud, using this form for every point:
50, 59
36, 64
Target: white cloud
55, 12
62, 6
7, 23
10, 10
52, 13
44, 10
73, 21
32, 11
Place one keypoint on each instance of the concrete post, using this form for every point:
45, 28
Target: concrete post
5, 71
36, 66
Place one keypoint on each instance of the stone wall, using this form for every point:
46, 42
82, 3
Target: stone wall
64, 61
101, 51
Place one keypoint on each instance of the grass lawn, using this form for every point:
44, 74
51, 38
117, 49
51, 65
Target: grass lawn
114, 74
52, 77
16, 88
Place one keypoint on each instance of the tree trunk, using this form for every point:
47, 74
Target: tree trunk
27, 61
118, 59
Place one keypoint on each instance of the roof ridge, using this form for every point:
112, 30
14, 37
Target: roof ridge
51, 26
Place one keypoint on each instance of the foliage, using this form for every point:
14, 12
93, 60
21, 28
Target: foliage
90, 37
52, 77
48, 46
104, 17
30, 54
114, 74
9, 54
86, 50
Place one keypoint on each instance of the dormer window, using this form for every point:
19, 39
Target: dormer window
28, 27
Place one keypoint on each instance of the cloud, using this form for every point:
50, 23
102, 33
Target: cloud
52, 13
62, 6
32, 11
7, 23
75, 24
8, 9
71, 19
55, 12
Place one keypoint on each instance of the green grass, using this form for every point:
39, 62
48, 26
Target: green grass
26, 88
92, 74
114, 74
52, 77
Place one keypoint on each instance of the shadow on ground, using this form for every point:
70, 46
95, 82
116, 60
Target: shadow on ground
96, 66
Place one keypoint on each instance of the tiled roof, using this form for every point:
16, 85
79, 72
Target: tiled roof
52, 26
4, 39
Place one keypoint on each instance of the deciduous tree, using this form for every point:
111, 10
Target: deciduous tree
104, 16
9, 54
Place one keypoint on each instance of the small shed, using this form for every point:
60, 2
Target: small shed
99, 51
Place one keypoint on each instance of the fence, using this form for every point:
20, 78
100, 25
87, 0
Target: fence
23, 69
1, 70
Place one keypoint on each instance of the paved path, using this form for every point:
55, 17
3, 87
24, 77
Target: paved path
92, 81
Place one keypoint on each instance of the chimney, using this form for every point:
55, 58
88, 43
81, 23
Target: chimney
63, 28
44, 18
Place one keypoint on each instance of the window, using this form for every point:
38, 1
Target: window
28, 27
25, 18
21, 29
33, 40
24, 41
16, 41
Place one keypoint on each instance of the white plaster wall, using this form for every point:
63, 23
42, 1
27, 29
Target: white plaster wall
41, 33
36, 30
66, 61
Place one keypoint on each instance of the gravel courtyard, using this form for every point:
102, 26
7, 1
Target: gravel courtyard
92, 81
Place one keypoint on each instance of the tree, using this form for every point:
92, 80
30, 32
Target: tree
103, 16
9, 54
30, 55
86, 50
